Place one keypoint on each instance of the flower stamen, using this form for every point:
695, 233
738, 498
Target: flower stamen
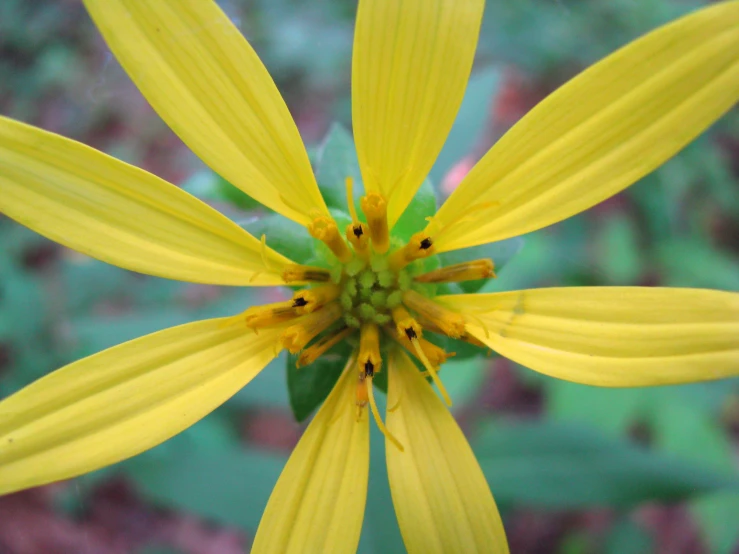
450, 323
419, 246
323, 345
296, 273
307, 327
356, 234
374, 207
435, 354
376, 415
432, 371
405, 324
269, 315
309, 300
325, 230
465, 271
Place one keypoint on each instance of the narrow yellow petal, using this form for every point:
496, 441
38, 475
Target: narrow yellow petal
205, 80
611, 125
122, 401
120, 214
441, 498
611, 336
318, 502
410, 67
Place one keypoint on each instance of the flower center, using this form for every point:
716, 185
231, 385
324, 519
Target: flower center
376, 292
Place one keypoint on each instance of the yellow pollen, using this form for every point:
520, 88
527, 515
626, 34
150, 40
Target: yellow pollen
309, 300
466, 271
375, 209
419, 246
325, 230
295, 273
307, 327
450, 323
315, 351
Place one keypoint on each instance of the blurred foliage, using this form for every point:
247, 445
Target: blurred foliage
586, 447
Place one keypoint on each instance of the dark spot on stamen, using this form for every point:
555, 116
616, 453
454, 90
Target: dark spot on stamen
426, 243
317, 276
369, 369
358, 231
299, 302
410, 333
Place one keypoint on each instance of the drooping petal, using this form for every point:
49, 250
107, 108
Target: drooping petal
124, 400
441, 498
410, 66
120, 214
610, 336
207, 83
611, 125
318, 502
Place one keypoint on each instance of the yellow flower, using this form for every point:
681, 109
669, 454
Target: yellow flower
596, 135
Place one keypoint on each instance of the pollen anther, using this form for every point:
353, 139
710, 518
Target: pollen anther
419, 246
325, 230
307, 327
466, 271
374, 207
309, 300
295, 273
449, 322
323, 345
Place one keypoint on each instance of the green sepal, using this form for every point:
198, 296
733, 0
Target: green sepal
309, 386
284, 235
500, 252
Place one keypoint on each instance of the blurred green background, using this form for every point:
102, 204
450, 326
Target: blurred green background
575, 469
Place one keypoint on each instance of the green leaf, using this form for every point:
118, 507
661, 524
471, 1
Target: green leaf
610, 410
229, 485
268, 388
414, 217
287, 237
568, 466
208, 185
309, 386
500, 252
337, 160
380, 532
618, 250
716, 514
470, 122
626, 537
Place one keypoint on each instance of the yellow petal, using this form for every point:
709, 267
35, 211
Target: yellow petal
611, 125
124, 400
441, 498
318, 502
203, 78
410, 66
610, 336
120, 214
